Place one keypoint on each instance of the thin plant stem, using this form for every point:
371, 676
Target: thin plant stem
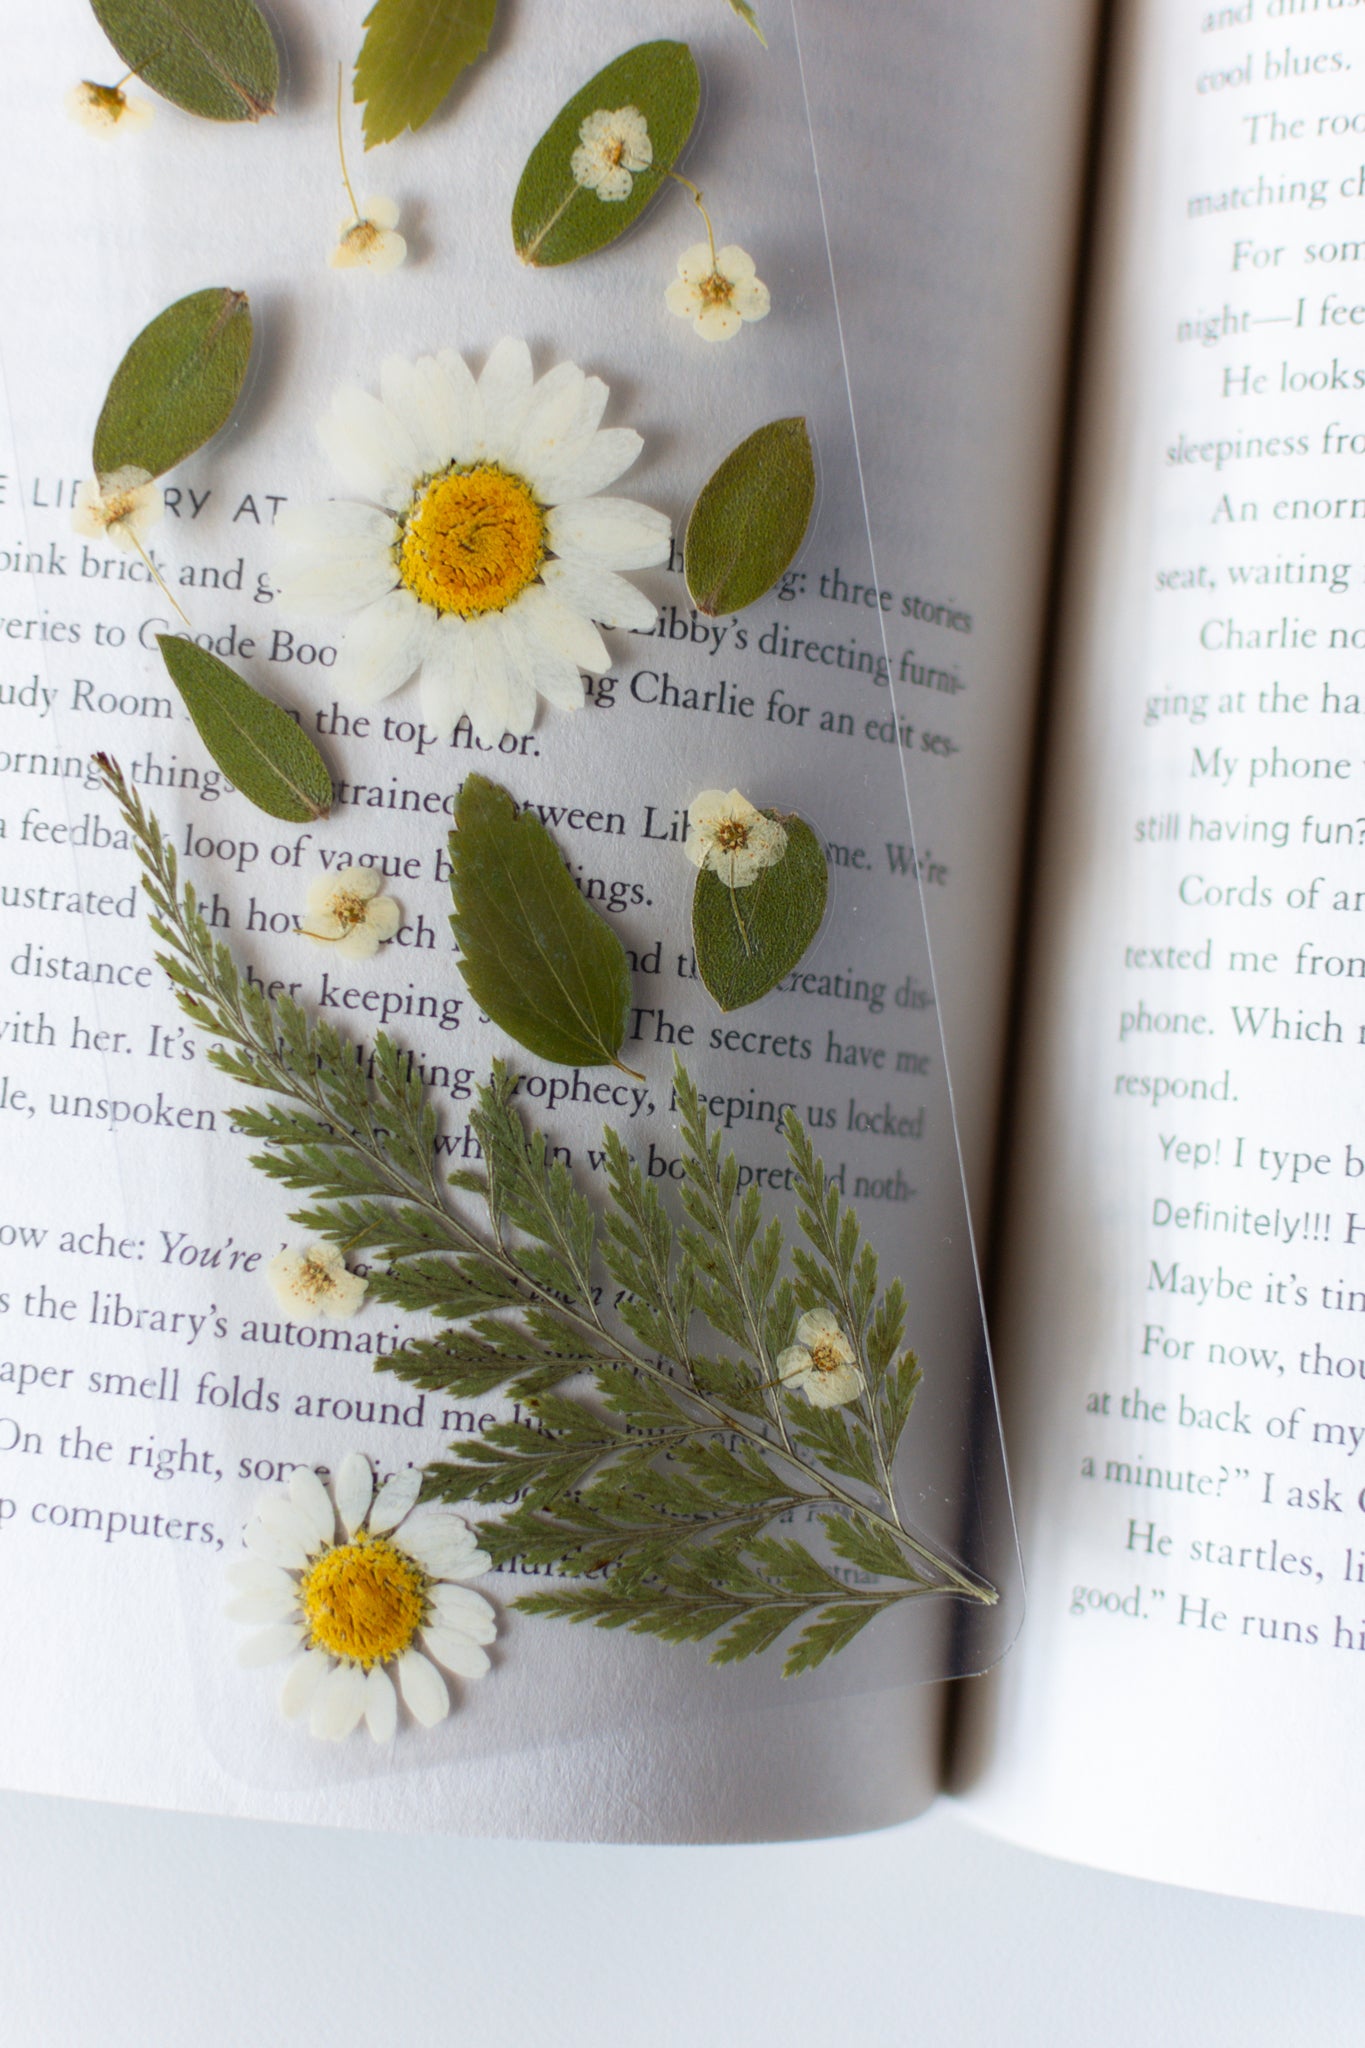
341, 150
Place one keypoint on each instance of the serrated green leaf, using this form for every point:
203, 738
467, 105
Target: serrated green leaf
177, 384
557, 220
746, 13
413, 52
260, 749
211, 57
747, 939
750, 518
543, 965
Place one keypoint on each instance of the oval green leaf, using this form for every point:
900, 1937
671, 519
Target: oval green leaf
546, 968
557, 220
750, 518
211, 57
747, 939
413, 52
259, 747
177, 384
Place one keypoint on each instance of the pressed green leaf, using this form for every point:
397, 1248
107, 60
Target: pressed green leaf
413, 52
747, 13
212, 57
557, 220
258, 747
544, 967
177, 384
747, 939
750, 518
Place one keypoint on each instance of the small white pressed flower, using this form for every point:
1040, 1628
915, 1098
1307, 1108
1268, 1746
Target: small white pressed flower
368, 240
731, 838
314, 1283
350, 1614
482, 554
612, 149
346, 910
105, 109
821, 1362
120, 507
717, 290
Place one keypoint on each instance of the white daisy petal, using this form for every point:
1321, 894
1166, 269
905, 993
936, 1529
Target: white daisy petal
519, 652
455, 1652
447, 675
354, 1490
505, 388
404, 390
260, 1607
254, 1575
381, 1705
271, 1645
338, 1703
273, 1548
382, 647
372, 450
617, 532
340, 527
555, 406
466, 406
540, 612
284, 1519
580, 472
461, 1608
395, 1499
441, 1543
302, 1682
598, 593
424, 1690
309, 1496
334, 584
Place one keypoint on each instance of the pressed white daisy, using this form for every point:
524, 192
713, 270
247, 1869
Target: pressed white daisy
821, 1362
106, 109
612, 149
483, 553
717, 290
315, 1282
731, 838
120, 507
346, 910
368, 239
351, 1614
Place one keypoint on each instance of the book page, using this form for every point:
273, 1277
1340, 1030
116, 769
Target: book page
154, 1387
1181, 1306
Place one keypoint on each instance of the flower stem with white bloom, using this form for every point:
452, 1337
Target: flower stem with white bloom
717, 290
104, 109
368, 239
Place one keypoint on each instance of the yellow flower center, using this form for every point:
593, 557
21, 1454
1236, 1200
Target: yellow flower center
825, 1356
364, 1601
108, 98
349, 909
363, 236
732, 835
717, 289
474, 541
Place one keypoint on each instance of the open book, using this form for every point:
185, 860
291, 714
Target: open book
1174, 1253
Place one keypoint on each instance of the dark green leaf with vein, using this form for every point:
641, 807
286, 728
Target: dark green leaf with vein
557, 220
177, 383
750, 518
542, 964
216, 58
258, 746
